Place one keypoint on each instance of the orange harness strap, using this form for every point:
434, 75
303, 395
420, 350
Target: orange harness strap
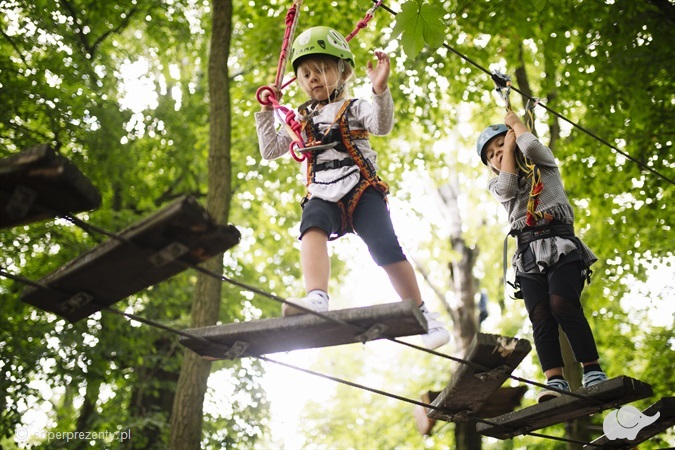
368, 174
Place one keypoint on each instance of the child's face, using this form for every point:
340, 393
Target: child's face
318, 77
494, 151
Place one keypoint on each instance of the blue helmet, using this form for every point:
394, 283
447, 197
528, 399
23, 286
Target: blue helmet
486, 136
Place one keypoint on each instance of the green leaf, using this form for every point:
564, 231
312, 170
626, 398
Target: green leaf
419, 23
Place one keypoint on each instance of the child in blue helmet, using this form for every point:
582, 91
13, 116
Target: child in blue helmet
345, 195
551, 263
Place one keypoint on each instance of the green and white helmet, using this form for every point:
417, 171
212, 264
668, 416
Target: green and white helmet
320, 41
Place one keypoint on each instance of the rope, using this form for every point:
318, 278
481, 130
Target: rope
525, 165
93, 228
363, 23
291, 21
209, 342
555, 113
293, 127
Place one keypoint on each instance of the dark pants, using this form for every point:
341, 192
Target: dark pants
371, 219
552, 298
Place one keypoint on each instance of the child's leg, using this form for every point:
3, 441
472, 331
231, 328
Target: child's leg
314, 259
566, 284
372, 223
544, 325
403, 279
320, 219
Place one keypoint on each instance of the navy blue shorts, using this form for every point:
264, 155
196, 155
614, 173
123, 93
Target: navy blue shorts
371, 219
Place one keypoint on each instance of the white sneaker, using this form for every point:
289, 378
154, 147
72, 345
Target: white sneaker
437, 335
312, 301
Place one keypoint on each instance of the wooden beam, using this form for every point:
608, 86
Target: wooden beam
666, 410
608, 394
259, 337
505, 400
37, 184
471, 387
153, 250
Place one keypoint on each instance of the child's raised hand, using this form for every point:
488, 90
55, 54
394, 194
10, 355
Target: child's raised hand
264, 94
379, 75
511, 119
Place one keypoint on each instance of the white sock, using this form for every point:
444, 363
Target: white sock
423, 308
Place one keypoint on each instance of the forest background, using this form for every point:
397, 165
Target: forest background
154, 100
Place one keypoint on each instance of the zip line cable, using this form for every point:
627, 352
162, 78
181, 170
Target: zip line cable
555, 113
172, 330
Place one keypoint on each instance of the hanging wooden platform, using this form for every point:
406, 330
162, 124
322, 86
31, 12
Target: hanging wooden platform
264, 336
505, 400
666, 409
470, 387
155, 249
606, 395
37, 184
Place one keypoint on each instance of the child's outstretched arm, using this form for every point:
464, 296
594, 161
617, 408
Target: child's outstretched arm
528, 142
272, 143
379, 75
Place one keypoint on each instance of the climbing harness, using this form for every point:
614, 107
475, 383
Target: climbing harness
531, 171
299, 149
368, 175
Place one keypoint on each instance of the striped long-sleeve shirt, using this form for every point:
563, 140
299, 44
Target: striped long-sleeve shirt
513, 192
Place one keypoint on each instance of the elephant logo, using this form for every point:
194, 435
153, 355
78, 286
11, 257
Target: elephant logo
626, 422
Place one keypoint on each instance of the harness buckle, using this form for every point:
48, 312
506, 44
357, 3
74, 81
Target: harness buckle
313, 147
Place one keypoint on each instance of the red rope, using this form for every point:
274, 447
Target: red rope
291, 22
291, 18
363, 23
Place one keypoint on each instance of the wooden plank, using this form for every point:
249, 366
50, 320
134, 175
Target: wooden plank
608, 394
505, 400
666, 410
470, 387
37, 184
264, 336
155, 249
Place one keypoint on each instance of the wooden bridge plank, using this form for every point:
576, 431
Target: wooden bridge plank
665, 407
470, 387
305, 330
37, 184
506, 399
608, 394
113, 270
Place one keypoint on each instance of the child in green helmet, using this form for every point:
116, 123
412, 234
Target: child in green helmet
345, 195
551, 263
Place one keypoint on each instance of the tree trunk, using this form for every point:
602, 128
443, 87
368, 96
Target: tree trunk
464, 317
576, 429
187, 413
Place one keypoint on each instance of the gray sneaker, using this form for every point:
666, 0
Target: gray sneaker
549, 394
593, 377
